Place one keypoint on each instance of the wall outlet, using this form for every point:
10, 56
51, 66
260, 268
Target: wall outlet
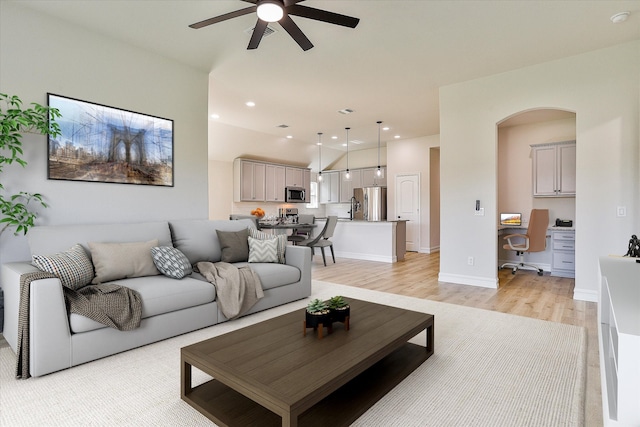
622, 211
470, 260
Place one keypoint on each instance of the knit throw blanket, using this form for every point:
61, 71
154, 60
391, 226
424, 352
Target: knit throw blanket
110, 304
237, 289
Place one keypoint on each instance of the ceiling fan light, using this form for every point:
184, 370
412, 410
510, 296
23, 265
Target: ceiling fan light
270, 11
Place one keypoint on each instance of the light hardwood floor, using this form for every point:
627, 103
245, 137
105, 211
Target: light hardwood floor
522, 294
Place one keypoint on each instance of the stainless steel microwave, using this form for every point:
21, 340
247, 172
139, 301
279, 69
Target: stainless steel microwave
294, 195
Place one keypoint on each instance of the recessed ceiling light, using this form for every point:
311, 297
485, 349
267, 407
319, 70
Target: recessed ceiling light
344, 145
250, 104
397, 136
289, 136
318, 143
386, 128
215, 116
334, 137
620, 17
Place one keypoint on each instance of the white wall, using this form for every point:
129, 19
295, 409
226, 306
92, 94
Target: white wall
602, 88
412, 156
40, 54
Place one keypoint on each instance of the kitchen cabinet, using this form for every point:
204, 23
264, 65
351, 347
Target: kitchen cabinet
563, 258
306, 183
554, 169
330, 187
249, 181
275, 183
619, 340
294, 177
370, 177
347, 185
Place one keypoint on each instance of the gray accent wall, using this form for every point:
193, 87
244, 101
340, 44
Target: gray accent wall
41, 54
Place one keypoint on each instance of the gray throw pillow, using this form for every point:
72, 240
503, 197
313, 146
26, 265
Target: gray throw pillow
113, 261
234, 245
72, 267
171, 262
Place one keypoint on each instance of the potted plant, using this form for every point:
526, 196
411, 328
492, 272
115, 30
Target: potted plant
340, 309
14, 121
317, 316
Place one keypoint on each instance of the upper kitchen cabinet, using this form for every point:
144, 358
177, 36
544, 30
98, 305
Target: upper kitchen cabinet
248, 181
294, 177
275, 183
348, 184
330, 187
370, 177
554, 169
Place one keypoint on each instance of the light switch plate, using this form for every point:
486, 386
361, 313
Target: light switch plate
622, 211
479, 212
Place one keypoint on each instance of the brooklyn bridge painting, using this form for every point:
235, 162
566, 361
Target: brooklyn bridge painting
105, 144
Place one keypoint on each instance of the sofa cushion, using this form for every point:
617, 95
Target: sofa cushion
171, 262
263, 250
114, 261
273, 275
72, 267
198, 240
281, 239
159, 294
234, 245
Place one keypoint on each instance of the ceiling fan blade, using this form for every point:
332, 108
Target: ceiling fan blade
295, 32
287, 2
322, 15
258, 32
224, 17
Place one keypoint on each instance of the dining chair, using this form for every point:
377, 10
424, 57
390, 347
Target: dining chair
322, 240
303, 231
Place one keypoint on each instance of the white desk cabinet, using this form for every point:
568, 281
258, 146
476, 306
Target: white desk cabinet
563, 253
554, 169
619, 339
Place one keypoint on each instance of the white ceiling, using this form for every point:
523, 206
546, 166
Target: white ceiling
389, 68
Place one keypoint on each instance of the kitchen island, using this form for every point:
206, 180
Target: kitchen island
383, 241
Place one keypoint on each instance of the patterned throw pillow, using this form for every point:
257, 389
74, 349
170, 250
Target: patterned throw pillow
263, 250
280, 238
72, 267
171, 262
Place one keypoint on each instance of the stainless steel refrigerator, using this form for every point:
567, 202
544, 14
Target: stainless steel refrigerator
371, 203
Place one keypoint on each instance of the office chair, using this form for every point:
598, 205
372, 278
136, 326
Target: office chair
322, 240
534, 241
303, 232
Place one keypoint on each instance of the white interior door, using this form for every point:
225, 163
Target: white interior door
408, 207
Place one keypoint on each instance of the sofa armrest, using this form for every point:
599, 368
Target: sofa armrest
300, 257
49, 334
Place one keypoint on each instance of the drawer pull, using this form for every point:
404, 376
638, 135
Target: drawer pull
567, 262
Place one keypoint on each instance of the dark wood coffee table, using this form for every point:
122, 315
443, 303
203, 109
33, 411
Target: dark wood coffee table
270, 374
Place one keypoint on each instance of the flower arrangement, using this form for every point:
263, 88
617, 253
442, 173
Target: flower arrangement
259, 212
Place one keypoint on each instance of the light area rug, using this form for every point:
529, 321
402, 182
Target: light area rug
489, 369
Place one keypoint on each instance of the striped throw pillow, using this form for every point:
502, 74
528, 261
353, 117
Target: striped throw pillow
263, 250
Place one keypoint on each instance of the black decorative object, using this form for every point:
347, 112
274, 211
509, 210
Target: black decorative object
634, 247
317, 316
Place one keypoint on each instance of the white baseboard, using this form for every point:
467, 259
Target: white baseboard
429, 250
585, 295
468, 280
366, 257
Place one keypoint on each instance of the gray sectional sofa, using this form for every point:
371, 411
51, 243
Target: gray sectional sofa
169, 307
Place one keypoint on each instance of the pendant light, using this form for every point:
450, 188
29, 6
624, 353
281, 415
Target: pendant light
347, 175
319, 156
379, 171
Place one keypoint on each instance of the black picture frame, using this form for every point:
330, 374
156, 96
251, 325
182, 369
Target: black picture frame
107, 144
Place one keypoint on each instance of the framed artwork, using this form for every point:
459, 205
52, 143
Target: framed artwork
107, 144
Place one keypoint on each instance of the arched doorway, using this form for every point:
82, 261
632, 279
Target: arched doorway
516, 134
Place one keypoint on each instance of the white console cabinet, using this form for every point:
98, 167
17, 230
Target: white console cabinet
619, 339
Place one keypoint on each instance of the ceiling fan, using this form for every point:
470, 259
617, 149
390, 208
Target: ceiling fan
279, 11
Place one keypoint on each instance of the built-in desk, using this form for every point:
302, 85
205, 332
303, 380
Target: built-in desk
558, 258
